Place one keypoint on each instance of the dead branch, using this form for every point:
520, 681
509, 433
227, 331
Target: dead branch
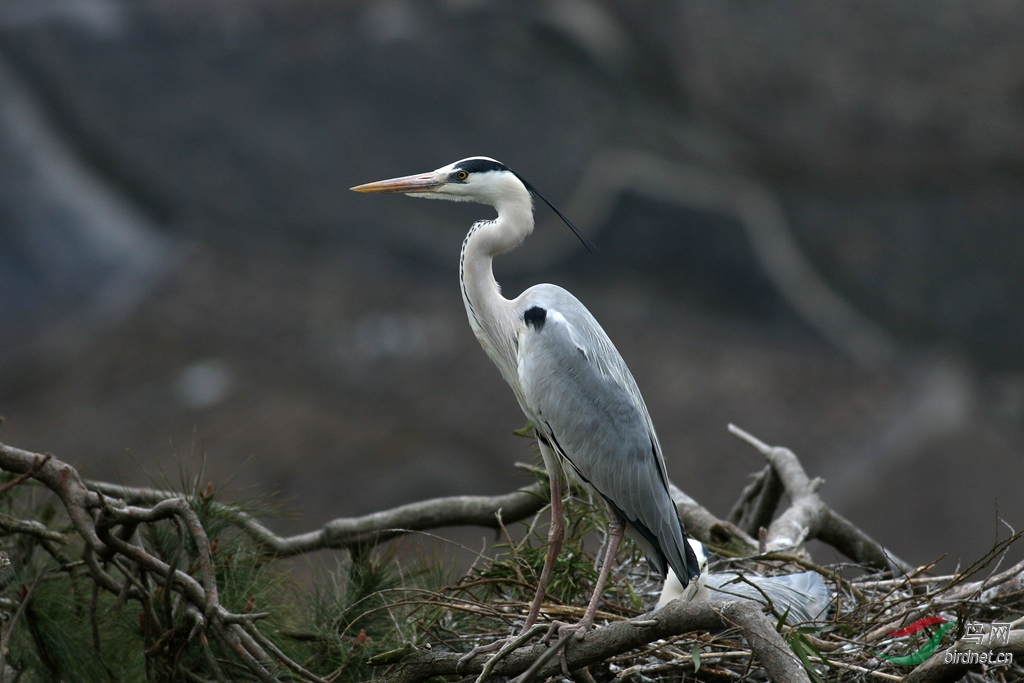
64, 481
809, 517
991, 589
31, 527
414, 665
348, 532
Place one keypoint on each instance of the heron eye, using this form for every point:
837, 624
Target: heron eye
461, 175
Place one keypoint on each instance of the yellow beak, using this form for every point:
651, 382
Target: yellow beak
410, 184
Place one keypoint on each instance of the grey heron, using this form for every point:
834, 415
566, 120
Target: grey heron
587, 412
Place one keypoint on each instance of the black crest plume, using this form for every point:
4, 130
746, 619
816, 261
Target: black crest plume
591, 247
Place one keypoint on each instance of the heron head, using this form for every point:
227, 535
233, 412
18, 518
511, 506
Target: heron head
476, 179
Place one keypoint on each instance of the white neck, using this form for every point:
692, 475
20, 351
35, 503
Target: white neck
492, 316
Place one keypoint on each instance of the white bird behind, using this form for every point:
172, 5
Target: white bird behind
804, 595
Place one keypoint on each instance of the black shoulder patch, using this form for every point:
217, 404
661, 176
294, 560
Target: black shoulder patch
535, 316
478, 165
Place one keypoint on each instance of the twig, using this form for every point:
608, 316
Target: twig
530, 674
513, 644
824, 571
41, 460
862, 670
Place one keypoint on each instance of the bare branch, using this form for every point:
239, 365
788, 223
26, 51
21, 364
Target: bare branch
109, 520
993, 588
64, 481
809, 517
347, 532
38, 465
430, 514
112, 535
31, 527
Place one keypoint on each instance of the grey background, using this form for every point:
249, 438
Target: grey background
809, 219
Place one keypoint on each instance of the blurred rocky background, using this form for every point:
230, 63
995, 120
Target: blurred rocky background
810, 219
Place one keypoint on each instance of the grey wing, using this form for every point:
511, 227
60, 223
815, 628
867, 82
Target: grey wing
805, 595
600, 429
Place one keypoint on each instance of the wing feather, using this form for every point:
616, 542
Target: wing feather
578, 391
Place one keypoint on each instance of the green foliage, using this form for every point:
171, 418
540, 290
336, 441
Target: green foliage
572, 574
353, 616
55, 636
804, 648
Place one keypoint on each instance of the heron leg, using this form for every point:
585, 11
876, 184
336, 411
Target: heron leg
556, 535
616, 530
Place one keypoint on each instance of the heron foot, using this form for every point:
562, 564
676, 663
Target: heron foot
563, 629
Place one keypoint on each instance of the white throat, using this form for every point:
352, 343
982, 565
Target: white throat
493, 317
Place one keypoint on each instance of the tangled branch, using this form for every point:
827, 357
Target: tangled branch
181, 598
109, 528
